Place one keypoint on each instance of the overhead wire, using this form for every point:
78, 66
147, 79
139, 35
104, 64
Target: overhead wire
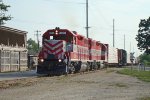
105, 19
98, 11
69, 2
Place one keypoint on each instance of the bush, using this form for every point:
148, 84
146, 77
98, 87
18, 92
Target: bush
148, 64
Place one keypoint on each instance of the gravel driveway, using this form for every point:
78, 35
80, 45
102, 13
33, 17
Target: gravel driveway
99, 85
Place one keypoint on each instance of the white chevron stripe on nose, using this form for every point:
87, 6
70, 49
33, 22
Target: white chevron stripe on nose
54, 47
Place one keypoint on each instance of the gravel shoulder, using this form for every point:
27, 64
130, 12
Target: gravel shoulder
99, 85
17, 75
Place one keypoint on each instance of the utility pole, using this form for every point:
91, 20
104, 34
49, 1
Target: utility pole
113, 32
87, 26
130, 46
37, 36
124, 42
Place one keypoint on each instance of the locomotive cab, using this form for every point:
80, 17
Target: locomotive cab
61, 34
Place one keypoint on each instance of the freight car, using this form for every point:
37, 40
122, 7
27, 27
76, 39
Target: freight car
122, 57
112, 55
64, 51
115, 57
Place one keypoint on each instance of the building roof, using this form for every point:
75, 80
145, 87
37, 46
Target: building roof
4, 28
12, 37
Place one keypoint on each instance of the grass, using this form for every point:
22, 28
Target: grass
118, 85
144, 98
142, 75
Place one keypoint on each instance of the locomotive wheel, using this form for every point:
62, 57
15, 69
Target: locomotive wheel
72, 70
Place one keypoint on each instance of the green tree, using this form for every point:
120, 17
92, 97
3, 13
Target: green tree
143, 37
32, 46
3, 10
145, 58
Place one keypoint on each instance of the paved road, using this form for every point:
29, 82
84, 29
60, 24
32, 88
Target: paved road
17, 75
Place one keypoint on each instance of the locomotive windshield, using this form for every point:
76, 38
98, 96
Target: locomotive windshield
59, 37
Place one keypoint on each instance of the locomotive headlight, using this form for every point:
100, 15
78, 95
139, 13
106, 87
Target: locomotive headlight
41, 60
59, 60
56, 32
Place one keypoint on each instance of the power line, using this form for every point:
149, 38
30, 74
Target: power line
104, 19
69, 2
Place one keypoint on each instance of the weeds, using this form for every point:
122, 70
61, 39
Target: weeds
142, 75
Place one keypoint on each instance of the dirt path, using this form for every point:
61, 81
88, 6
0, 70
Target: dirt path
99, 85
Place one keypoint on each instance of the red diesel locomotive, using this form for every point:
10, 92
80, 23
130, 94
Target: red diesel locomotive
65, 51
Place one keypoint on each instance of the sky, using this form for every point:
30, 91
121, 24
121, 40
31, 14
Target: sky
33, 15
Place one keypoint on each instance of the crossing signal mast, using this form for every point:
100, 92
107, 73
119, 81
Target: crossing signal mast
132, 59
